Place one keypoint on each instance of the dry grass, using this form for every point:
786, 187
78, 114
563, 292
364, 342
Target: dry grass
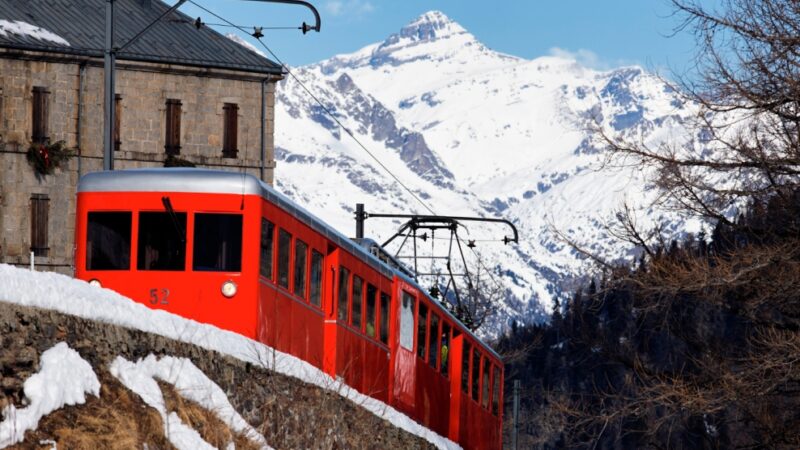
206, 422
118, 419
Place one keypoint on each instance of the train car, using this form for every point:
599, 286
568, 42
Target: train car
225, 249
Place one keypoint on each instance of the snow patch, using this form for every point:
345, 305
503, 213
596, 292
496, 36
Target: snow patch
239, 40
63, 379
190, 382
21, 28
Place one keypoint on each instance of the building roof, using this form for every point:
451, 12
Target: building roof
78, 27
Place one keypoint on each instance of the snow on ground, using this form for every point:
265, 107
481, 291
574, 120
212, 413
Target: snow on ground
75, 297
192, 384
21, 28
64, 379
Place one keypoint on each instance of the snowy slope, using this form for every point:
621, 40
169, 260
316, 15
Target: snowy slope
476, 132
52, 291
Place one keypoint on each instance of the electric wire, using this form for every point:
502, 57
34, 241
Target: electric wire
341, 125
322, 105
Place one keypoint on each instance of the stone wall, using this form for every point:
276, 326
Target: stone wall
76, 116
290, 413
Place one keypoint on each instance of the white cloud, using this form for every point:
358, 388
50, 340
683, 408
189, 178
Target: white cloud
583, 56
349, 7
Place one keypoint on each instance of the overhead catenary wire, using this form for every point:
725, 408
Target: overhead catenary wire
322, 105
341, 125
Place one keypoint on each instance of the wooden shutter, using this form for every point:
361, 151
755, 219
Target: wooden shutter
40, 205
40, 114
230, 130
117, 121
173, 132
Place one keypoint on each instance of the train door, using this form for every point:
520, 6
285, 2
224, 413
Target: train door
330, 288
404, 379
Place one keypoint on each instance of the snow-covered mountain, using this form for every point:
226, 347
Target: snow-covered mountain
475, 132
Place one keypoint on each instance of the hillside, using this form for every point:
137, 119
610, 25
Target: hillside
475, 132
83, 367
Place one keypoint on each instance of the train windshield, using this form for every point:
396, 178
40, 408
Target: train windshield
162, 241
217, 243
108, 241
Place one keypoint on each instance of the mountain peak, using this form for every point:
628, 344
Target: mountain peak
430, 26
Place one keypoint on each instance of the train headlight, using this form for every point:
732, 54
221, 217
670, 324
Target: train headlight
95, 282
229, 289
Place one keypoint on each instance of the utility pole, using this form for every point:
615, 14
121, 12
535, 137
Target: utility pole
109, 70
110, 62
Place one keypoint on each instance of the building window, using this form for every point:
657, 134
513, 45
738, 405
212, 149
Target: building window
172, 139
40, 205
40, 115
117, 121
230, 135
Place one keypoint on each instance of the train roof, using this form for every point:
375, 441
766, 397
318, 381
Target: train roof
207, 181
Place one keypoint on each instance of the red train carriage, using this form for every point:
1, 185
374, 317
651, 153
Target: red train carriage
225, 249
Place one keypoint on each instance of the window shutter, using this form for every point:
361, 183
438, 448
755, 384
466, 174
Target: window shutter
173, 132
40, 205
40, 114
230, 130
117, 121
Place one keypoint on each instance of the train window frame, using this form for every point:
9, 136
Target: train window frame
384, 308
267, 250
172, 220
475, 378
288, 262
485, 380
300, 269
343, 301
434, 340
407, 315
422, 331
373, 323
315, 283
125, 256
495, 389
357, 302
201, 240
445, 342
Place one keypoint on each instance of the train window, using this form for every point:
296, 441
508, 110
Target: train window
445, 349
162, 241
485, 384
433, 348
267, 245
358, 291
316, 278
300, 259
476, 374
422, 326
384, 318
372, 292
284, 248
496, 390
465, 368
344, 279
217, 242
108, 241
406, 321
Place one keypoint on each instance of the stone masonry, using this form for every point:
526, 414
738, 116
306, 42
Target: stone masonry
75, 115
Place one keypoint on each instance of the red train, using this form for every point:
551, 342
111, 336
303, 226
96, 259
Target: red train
225, 249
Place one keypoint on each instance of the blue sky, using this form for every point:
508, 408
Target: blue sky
600, 33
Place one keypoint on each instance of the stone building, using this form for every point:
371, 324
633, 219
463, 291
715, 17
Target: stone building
184, 94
